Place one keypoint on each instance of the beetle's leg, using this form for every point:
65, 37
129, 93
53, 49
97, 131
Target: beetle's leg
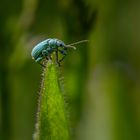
41, 64
47, 53
38, 61
64, 55
50, 50
46, 58
56, 55
49, 57
57, 58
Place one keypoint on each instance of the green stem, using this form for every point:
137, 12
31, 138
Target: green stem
52, 122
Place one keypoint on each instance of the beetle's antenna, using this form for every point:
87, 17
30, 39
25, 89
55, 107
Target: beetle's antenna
78, 42
71, 45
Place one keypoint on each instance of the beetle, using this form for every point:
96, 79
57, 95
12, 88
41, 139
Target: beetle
46, 48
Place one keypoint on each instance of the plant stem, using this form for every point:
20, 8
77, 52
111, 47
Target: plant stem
52, 121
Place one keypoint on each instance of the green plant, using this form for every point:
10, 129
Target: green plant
52, 121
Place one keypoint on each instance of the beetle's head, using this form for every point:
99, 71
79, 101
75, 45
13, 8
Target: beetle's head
61, 44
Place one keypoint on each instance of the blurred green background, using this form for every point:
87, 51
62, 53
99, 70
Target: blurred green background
101, 78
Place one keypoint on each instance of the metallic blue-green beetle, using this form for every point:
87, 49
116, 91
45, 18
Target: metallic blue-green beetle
44, 49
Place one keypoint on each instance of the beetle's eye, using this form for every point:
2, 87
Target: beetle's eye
60, 44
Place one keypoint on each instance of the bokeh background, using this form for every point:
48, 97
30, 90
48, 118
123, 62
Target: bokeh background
101, 78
